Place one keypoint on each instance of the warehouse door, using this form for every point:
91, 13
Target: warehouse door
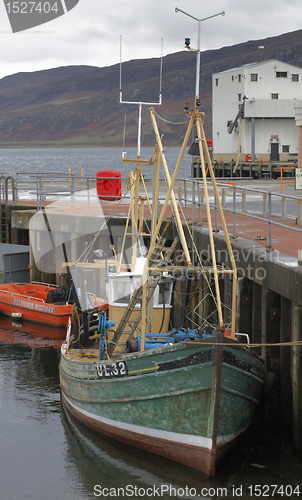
274, 151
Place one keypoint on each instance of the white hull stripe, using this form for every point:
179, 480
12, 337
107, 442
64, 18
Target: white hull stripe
188, 439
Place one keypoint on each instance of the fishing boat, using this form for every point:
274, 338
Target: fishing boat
41, 303
184, 394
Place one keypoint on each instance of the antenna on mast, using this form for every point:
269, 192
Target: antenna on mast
187, 44
141, 103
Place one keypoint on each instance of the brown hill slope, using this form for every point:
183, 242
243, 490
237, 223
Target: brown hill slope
79, 105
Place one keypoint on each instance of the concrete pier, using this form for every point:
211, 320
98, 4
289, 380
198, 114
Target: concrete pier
296, 374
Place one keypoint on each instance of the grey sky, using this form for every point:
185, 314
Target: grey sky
89, 34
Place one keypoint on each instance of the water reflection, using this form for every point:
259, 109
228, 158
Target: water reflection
15, 332
264, 456
115, 467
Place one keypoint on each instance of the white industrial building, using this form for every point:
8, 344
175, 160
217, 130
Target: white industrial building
253, 112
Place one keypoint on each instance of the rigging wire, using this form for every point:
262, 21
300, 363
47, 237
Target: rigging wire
172, 145
167, 121
172, 123
197, 253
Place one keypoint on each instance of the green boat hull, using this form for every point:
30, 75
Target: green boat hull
187, 402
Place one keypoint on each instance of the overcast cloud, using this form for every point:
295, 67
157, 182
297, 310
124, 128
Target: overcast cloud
89, 34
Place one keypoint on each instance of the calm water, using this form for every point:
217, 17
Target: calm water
45, 456
17, 161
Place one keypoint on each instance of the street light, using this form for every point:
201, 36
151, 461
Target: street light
187, 43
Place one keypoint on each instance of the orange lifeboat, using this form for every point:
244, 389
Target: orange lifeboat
38, 303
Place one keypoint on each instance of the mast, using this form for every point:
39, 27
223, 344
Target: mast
138, 172
196, 116
140, 104
187, 43
138, 161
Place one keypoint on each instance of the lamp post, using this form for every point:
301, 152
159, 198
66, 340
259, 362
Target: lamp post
187, 44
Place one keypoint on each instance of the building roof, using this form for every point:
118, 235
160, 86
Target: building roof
259, 63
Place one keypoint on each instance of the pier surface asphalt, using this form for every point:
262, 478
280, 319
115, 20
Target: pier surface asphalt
284, 237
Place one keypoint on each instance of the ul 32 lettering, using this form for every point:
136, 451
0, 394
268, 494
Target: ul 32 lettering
118, 369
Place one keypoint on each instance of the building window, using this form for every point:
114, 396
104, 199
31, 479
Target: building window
232, 78
239, 78
216, 82
285, 149
281, 74
254, 77
295, 78
239, 97
274, 96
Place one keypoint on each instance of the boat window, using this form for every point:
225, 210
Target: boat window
121, 289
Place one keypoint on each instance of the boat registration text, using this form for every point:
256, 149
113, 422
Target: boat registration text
105, 370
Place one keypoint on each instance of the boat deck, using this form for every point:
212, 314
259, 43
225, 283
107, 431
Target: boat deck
84, 354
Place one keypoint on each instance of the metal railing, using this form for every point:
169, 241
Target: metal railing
276, 207
7, 189
257, 170
292, 180
41, 187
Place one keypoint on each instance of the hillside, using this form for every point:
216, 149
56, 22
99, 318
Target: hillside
79, 105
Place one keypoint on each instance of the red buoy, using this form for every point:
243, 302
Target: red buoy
109, 185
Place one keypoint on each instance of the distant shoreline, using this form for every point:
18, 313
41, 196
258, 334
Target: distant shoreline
52, 145
58, 145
